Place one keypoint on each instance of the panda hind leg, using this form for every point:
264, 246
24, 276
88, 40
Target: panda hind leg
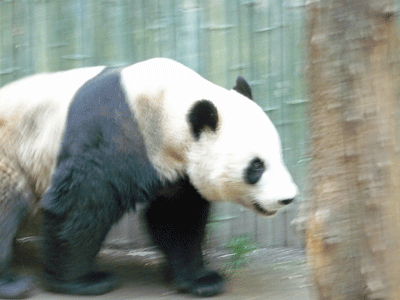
69, 248
78, 211
15, 198
177, 224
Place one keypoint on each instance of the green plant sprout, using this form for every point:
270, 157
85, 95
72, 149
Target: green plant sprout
239, 246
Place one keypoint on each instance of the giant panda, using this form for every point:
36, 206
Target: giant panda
90, 144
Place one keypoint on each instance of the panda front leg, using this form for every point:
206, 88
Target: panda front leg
15, 205
177, 225
78, 211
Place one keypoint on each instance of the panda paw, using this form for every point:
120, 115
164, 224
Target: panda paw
94, 283
208, 284
15, 287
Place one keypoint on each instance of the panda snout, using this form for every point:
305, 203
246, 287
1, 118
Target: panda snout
270, 212
263, 211
286, 201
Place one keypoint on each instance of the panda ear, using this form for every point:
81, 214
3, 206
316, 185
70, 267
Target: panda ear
242, 87
203, 115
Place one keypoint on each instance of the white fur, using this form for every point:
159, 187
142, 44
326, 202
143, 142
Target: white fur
169, 89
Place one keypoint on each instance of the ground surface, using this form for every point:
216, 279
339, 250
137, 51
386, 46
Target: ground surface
273, 274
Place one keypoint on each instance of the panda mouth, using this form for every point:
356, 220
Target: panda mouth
263, 211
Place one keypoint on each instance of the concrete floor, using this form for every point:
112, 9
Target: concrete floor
278, 273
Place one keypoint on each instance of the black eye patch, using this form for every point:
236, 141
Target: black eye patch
254, 171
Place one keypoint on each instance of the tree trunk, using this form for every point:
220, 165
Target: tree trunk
353, 225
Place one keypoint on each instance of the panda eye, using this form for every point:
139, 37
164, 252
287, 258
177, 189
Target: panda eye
257, 164
254, 171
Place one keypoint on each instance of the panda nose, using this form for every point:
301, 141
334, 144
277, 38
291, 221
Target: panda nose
286, 202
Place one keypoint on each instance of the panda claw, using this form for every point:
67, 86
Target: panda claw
15, 287
95, 283
208, 285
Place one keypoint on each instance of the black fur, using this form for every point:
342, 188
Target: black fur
254, 171
102, 172
177, 223
243, 87
203, 115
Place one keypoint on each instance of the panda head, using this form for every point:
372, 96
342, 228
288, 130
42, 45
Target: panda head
236, 153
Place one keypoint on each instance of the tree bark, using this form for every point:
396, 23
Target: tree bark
353, 224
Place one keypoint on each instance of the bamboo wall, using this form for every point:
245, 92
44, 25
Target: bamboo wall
221, 39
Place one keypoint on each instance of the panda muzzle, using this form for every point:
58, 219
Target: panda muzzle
263, 211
